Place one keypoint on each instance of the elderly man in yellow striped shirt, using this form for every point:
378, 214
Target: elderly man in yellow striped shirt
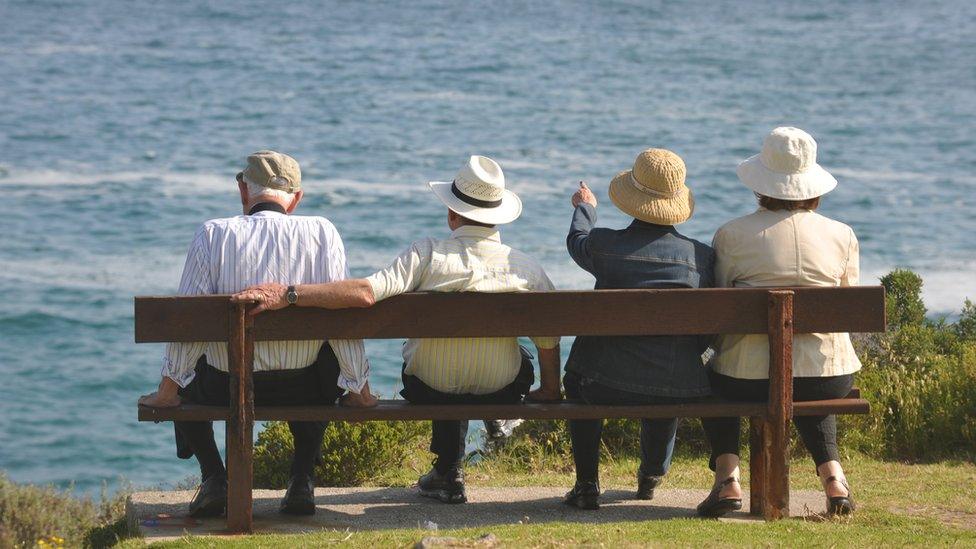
451, 370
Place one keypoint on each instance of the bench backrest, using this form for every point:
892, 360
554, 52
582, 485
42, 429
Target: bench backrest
594, 312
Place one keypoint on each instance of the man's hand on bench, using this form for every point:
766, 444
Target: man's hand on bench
269, 297
364, 399
166, 395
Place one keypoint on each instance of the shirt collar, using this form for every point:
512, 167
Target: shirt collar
267, 207
479, 233
637, 223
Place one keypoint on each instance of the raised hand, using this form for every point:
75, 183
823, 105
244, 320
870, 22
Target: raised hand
584, 194
269, 296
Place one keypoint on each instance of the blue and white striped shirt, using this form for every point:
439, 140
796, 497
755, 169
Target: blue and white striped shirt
228, 255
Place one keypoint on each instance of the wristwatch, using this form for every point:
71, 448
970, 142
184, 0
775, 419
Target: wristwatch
291, 295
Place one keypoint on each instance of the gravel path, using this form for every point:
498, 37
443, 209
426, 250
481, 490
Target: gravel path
161, 515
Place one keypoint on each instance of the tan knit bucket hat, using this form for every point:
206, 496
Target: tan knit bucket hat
654, 189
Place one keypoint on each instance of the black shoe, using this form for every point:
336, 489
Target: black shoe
646, 486
448, 488
840, 505
300, 497
584, 495
211, 498
715, 506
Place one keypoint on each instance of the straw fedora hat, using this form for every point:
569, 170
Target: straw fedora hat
654, 189
787, 167
478, 193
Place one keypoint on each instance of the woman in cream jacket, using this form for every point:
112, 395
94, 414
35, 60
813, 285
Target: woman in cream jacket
784, 243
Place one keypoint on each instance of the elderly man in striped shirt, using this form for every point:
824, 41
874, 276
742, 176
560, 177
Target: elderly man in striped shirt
452, 370
227, 255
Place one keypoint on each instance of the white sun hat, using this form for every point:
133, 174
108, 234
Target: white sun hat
478, 193
787, 167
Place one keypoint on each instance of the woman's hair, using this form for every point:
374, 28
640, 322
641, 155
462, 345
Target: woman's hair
776, 204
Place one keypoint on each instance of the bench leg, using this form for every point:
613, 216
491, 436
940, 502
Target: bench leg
776, 440
239, 477
240, 424
776, 450
757, 466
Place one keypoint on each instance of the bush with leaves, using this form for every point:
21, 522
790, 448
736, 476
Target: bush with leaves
352, 453
920, 377
44, 516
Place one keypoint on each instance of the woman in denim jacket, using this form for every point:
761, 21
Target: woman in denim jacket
650, 253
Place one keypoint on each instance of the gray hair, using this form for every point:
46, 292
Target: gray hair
255, 191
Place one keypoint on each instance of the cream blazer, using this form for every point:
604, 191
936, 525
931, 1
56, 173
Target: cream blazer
784, 248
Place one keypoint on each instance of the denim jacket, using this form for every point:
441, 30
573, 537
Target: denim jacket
643, 255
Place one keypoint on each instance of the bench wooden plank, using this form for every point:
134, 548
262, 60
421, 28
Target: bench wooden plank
402, 410
470, 314
775, 495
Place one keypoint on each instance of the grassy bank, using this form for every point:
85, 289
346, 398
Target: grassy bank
900, 504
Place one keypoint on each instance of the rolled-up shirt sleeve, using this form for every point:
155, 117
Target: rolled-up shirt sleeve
351, 353
180, 359
404, 274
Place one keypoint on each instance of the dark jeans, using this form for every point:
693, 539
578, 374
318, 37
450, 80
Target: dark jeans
447, 440
314, 384
656, 436
819, 433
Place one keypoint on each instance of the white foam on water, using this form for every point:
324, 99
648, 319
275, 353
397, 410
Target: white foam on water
900, 176
183, 182
32, 179
52, 48
134, 273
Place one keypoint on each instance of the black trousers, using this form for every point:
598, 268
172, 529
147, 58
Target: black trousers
819, 433
656, 435
448, 436
314, 384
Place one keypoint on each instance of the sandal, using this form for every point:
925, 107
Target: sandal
840, 505
715, 506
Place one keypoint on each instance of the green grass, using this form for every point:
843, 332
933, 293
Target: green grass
900, 504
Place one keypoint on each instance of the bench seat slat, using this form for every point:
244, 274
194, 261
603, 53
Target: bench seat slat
401, 410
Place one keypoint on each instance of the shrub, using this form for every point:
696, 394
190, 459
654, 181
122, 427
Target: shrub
37, 516
920, 377
352, 453
903, 291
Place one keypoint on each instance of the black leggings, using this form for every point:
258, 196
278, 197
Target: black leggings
819, 433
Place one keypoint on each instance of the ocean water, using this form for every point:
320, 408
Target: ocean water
122, 126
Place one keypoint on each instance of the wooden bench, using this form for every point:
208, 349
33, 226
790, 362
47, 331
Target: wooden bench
778, 312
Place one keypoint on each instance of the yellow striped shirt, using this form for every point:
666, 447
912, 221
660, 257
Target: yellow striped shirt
473, 259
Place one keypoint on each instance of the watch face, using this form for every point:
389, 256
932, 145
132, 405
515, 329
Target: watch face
292, 296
